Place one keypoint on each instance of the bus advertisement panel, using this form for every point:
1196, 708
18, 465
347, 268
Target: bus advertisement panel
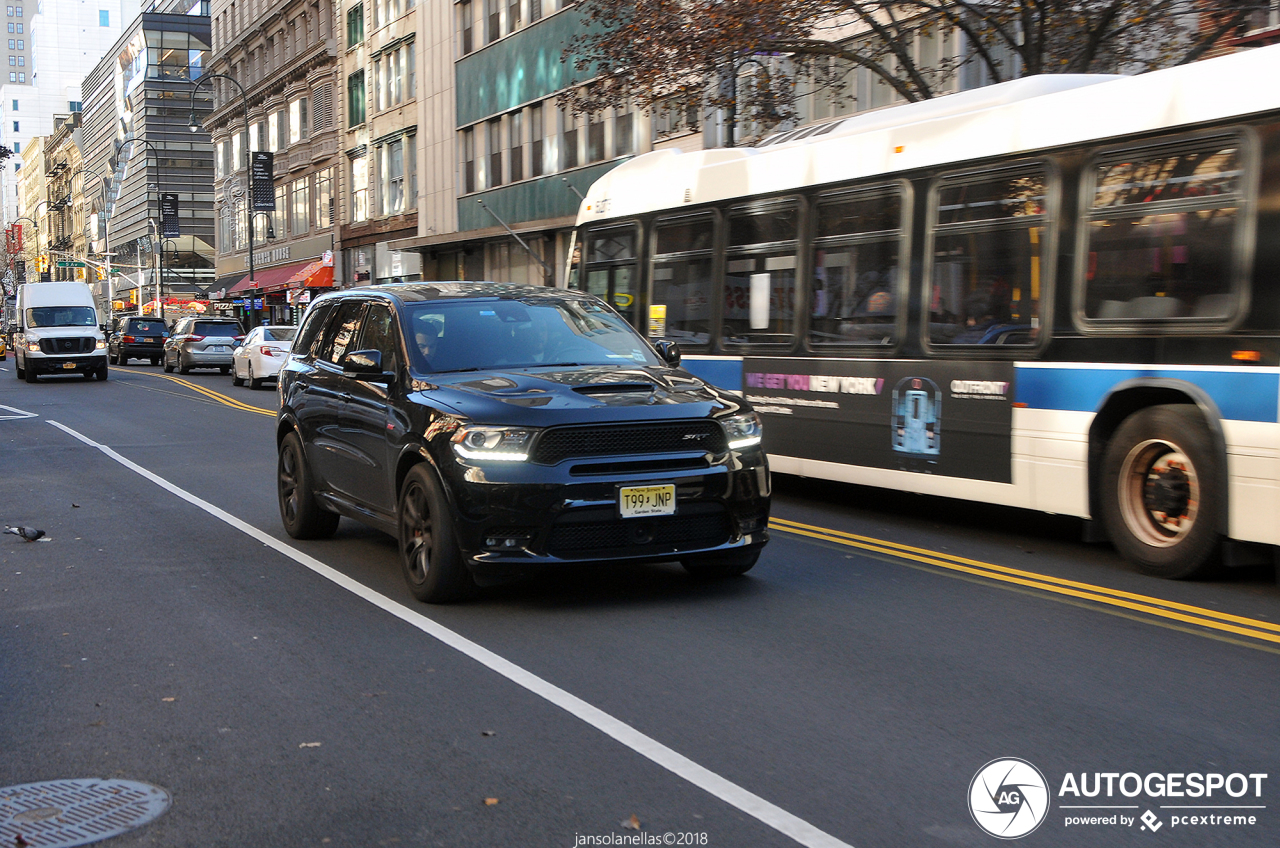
947, 418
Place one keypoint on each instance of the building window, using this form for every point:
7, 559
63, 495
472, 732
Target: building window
12, 44
513, 15
219, 160
536, 133
9, 10
595, 138
22, 77
11, 27
298, 120
624, 143
17, 147
237, 152
13, 61
515, 134
468, 161
279, 218
465, 25
104, 18
355, 25
392, 172
535, 10
355, 99
300, 215
19, 10
493, 144
324, 199
493, 20
360, 189
570, 140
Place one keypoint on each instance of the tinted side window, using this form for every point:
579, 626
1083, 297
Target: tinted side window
990, 257
311, 326
342, 330
379, 334
1162, 233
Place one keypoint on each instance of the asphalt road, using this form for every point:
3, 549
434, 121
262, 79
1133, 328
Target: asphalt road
845, 692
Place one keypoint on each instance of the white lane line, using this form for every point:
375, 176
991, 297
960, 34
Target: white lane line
751, 804
17, 413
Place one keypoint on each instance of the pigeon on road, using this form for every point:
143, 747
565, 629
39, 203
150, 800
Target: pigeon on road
28, 534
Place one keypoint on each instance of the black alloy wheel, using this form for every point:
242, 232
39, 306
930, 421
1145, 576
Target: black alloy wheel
429, 555
300, 512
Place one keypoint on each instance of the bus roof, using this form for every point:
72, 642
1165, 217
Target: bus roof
1017, 117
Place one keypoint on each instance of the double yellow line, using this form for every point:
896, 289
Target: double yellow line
1172, 610
220, 398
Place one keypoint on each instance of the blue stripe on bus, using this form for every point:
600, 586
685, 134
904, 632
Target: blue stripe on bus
722, 373
1240, 395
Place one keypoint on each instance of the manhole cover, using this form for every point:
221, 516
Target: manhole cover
64, 813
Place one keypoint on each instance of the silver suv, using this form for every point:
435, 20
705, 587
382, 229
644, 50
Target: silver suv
202, 343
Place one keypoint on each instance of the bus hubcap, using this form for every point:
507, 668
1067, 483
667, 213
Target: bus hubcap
1159, 493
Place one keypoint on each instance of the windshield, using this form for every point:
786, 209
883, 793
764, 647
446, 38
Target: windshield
153, 328
480, 335
279, 334
62, 316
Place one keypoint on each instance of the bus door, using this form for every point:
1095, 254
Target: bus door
610, 269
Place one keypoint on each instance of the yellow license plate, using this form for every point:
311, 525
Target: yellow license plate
70, 366
637, 501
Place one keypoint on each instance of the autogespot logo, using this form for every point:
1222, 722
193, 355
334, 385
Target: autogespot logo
1008, 798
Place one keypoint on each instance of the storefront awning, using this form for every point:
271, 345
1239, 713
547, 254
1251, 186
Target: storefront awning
298, 275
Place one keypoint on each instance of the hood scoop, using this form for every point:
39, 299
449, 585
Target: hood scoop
614, 388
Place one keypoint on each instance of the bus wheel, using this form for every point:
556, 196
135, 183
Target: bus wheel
1160, 498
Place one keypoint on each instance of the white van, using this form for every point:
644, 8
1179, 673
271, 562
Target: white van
57, 332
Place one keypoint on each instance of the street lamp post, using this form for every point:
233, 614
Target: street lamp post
35, 223
248, 208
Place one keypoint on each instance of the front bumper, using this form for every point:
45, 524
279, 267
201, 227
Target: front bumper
65, 364
510, 518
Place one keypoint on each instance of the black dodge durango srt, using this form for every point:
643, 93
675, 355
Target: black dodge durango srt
495, 428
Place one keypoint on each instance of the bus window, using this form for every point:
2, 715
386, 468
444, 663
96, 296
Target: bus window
990, 259
682, 263
856, 262
1162, 234
611, 268
760, 276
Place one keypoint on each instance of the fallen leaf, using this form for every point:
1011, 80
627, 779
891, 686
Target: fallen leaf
632, 823
168, 700
489, 802
309, 745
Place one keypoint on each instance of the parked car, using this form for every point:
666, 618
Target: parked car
136, 337
493, 429
4, 350
262, 355
198, 342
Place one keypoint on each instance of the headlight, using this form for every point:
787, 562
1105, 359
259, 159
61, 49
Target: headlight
101, 345
743, 431
498, 444
34, 347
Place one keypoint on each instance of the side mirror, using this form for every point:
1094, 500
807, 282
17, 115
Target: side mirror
669, 351
365, 365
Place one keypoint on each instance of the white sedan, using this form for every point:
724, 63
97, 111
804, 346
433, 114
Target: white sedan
261, 355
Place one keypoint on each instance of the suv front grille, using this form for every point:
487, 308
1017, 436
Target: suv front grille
596, 533
560, 443
56, 346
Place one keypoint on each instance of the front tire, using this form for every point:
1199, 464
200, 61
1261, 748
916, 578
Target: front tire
720, 566
28, 374
1162, 495
301, 513
429, 554
102, 373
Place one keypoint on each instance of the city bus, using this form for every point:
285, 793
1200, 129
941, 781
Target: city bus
1060, 293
